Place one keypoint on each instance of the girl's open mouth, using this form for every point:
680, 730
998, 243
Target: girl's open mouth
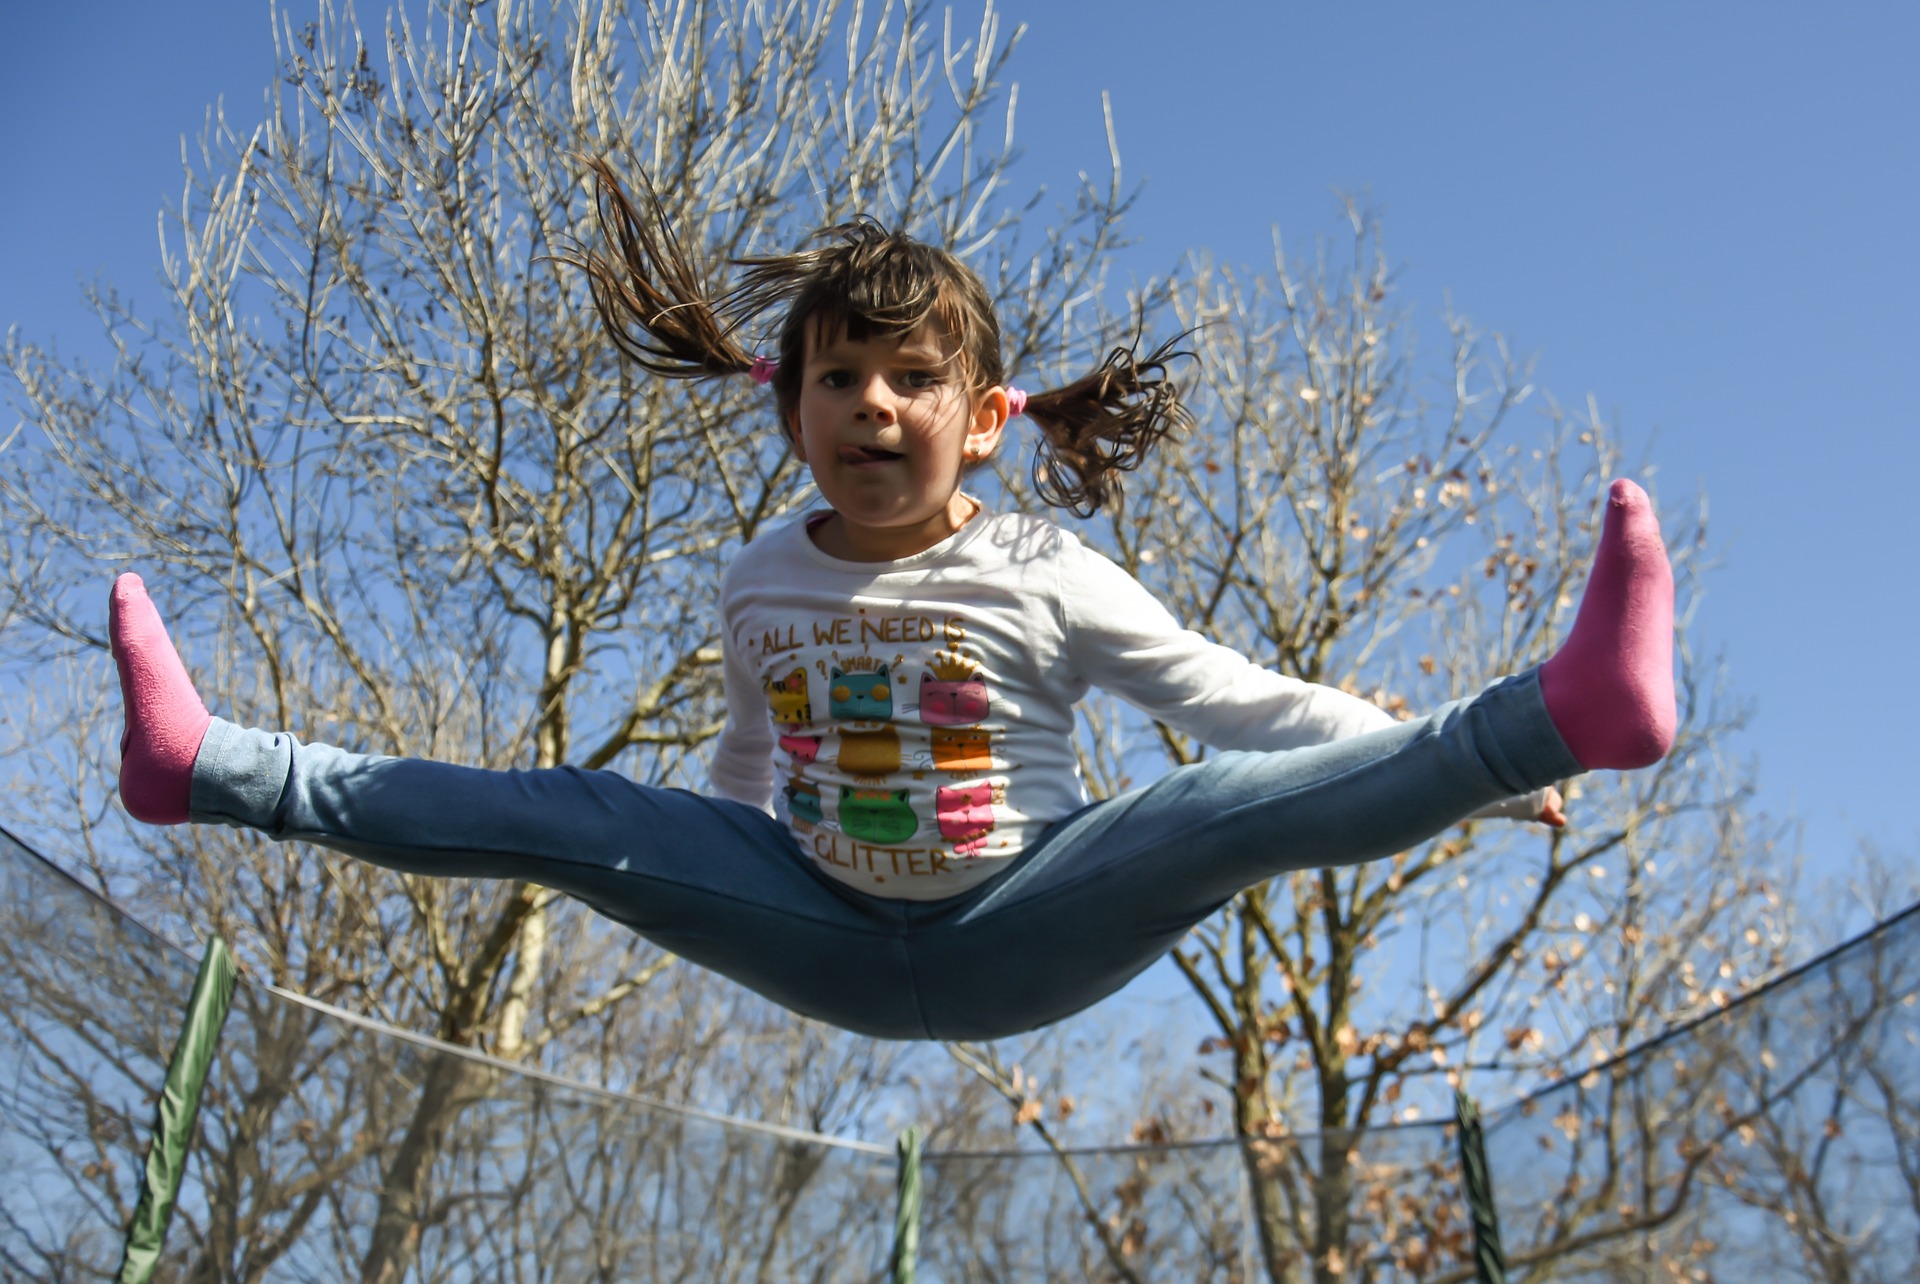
867, 455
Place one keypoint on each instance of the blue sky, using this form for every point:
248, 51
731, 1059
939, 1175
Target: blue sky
1705, 215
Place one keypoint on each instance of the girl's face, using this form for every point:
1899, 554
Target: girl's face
887, 427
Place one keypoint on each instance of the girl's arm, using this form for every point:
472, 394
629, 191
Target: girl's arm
742, 767
1122, 639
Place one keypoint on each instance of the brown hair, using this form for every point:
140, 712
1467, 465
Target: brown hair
873, 283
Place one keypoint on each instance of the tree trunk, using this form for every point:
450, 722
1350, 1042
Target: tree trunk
1266, 1165
453, 1083
450, 1085
1332, 1202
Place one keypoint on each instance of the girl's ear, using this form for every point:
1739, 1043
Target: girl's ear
791, 421
989, 421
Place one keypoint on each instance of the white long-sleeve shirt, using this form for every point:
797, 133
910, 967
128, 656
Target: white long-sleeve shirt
911, 721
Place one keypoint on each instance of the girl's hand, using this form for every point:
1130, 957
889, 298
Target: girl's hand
1552, 813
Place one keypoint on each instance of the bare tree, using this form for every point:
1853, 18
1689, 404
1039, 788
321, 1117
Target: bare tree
396, 491
1334, 520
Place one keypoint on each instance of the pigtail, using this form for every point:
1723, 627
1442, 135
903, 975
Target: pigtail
1104, 424
652, 299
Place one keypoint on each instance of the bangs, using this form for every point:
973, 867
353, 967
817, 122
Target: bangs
861, 320
869, 283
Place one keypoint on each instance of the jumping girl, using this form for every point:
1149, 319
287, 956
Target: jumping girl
898, 840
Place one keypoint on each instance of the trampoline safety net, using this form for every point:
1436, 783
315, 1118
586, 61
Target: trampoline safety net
1777, 1140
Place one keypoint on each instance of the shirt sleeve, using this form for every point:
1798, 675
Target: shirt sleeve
1121, 639
742, 765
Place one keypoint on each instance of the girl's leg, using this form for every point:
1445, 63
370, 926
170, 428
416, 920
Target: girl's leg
716, 882
1109, 890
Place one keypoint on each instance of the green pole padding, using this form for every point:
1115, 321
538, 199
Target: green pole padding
906, 1217
179, 1103
1489, 1258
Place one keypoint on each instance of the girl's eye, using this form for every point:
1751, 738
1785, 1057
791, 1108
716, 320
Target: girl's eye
836, 378
922, 378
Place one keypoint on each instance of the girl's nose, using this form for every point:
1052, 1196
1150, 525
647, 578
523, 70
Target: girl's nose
876, 401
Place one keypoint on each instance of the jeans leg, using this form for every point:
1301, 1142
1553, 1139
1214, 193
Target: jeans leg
1111, 888
717, 882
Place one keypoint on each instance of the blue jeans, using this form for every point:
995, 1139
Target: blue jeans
1103, 894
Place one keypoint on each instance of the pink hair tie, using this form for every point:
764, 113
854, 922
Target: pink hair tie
762, 369
1016, 402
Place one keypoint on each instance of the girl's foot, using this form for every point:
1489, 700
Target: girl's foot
1609, 688
165, 720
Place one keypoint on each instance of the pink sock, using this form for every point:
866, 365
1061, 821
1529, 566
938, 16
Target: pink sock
1609, 688
165, 719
